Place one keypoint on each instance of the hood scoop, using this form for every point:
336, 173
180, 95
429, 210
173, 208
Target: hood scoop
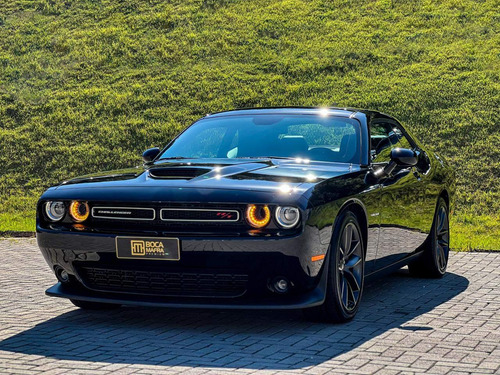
178, 173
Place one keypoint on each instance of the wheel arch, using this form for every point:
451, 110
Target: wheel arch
446, 196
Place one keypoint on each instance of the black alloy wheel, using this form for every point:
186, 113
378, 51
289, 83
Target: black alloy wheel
434, 260
350, 267
442, 239
345, 273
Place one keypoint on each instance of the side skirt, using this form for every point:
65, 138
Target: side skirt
393, 267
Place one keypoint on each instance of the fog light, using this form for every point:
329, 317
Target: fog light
62, 275
280, 285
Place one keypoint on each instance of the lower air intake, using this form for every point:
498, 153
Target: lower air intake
164, 283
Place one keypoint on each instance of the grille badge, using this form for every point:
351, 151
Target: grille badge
124, 213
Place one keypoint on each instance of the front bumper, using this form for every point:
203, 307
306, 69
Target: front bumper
260, 260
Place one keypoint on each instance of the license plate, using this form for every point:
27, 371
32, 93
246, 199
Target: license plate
150, 248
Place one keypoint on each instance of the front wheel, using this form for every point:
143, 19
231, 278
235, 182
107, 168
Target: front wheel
434, 260
345, 273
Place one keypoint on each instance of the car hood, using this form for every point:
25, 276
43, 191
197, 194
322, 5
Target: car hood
163, 179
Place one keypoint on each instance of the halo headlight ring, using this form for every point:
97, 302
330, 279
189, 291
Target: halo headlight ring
79, 211
287, 217
55, 210
258, 215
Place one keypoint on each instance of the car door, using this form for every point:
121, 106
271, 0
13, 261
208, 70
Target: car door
401, 196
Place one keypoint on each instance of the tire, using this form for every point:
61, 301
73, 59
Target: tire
87, 305
434, 260
345, 279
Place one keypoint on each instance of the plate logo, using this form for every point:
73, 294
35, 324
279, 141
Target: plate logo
137, 247
141, 248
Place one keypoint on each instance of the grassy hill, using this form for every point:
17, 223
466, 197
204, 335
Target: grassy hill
88, 85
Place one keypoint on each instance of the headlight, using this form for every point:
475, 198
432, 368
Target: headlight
258, 216
287, 217
55, 210
79, 211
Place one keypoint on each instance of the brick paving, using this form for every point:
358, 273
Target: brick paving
405, 326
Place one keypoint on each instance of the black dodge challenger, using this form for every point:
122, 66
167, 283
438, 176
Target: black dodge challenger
276, 208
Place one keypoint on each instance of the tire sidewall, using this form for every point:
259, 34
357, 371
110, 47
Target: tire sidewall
333, 292
434, 250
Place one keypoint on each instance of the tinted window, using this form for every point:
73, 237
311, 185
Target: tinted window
205, 143
383, 138
311, 137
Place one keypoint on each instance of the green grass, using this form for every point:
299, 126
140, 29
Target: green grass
18, 213
86, 86
22, 221
475, 232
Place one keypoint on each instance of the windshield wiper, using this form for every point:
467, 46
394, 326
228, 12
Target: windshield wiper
238, 157
264, 157
174, 158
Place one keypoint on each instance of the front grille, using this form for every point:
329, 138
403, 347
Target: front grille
168, 218
123, 213
164, 283
199, 214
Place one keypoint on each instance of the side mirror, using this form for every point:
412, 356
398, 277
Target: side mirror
150, 154
404, 157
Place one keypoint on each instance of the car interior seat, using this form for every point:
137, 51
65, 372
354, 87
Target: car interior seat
347, 148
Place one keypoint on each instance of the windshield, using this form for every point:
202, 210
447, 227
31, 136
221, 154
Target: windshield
313, 137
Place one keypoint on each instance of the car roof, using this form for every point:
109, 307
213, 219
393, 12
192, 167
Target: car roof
344, 112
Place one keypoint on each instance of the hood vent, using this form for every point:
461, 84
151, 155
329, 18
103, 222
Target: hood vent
177, 173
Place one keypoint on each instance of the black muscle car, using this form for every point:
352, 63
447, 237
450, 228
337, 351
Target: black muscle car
276, 208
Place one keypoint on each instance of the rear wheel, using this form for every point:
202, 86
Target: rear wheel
434, 260
345, 273
87, 305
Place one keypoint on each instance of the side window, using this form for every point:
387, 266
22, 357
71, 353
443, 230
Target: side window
383, 138
400, 141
